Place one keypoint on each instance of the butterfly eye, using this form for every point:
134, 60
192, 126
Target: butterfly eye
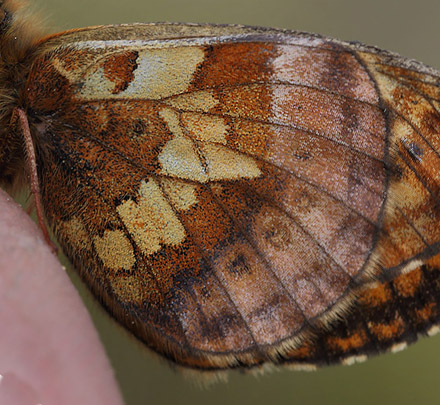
5, 19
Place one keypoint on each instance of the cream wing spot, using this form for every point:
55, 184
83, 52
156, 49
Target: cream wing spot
151, 221
433, 330
182, 195
59, 65
164, 72
226, 164
95, 85
411, 265
128, 287
398, 347
75, 232
159, 73
205, 128
202, 101
349, 361
171, 118
401, 130
115, 250
178, 158
302, 367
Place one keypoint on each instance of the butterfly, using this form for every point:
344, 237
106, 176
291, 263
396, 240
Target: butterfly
234, 196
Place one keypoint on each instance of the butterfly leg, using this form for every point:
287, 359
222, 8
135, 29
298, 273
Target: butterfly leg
20, 117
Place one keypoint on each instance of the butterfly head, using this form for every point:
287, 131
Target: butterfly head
5, 17
19, 35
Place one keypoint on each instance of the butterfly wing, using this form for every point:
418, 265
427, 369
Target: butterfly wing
410, 93
221, 189
387, 316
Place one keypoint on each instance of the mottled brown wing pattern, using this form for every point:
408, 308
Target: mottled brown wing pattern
386, 316
230, 189
390, 314
411, 219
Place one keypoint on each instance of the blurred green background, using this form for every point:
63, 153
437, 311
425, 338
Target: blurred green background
410, 28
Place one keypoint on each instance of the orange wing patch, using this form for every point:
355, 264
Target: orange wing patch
119, 70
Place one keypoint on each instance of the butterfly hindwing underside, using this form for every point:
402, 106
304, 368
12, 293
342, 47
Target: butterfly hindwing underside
230, 193
386, 316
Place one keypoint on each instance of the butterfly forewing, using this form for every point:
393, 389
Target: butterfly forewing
223, 189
